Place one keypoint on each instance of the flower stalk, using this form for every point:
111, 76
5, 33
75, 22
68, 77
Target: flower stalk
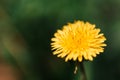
82, 69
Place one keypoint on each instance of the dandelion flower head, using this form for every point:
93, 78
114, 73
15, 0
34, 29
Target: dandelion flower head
77, 41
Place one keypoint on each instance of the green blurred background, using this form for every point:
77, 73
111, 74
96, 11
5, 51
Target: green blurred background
26, 28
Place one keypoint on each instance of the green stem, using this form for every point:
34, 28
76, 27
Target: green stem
82, 71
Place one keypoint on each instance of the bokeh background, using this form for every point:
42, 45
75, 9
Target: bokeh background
26, 27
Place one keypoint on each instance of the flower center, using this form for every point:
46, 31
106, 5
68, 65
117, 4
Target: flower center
77, 43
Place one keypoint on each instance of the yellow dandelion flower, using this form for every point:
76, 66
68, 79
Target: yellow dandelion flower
79, 40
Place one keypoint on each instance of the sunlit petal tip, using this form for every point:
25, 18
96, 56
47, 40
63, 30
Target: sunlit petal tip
74, 58
90, 58
80, 59
98, 53
54, 53
94, 55
104, 45
54, 39
66, 59
59, 55
85, 57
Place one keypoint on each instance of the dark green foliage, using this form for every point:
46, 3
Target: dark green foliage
32, 23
